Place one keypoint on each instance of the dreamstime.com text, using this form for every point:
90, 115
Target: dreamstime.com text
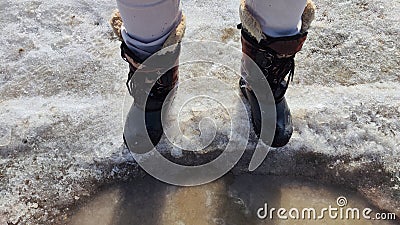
339, 211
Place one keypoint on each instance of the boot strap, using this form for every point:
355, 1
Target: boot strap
142, 74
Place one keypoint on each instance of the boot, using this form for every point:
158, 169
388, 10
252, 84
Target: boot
140, 136
275, 58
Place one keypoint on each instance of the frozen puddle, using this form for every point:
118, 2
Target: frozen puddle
229, 200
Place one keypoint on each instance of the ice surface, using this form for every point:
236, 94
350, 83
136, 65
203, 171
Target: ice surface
62, 88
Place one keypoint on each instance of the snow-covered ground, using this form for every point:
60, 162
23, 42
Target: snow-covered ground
62, 88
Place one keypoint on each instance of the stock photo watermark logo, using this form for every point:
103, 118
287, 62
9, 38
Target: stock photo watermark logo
331, 212
192, 53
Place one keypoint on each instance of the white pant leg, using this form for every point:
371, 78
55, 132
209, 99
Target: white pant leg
278, 17
148, 23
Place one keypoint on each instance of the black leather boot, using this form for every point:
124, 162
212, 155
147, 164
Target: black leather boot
143, 127
275, 58
141, 136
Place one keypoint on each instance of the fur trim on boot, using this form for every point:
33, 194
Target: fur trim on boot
308, 16
116, 23
254, 28
174, 38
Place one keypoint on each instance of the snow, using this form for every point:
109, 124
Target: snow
62, 88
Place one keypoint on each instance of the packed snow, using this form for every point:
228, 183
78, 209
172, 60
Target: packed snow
62, 88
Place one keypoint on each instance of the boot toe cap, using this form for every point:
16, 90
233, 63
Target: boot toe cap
282, 136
